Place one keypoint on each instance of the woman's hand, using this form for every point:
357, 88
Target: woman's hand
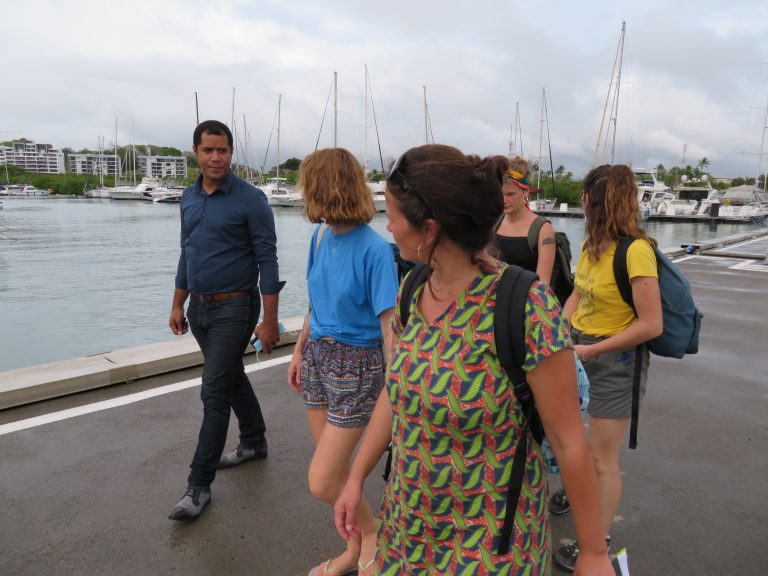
584, 352
294, 368
345, 509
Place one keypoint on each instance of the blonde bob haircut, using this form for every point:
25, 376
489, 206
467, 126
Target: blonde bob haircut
333, 184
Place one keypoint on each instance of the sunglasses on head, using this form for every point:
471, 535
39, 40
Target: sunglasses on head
397, 177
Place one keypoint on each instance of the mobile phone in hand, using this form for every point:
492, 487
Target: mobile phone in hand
256, 343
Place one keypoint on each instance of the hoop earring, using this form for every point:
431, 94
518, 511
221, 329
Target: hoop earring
418, 251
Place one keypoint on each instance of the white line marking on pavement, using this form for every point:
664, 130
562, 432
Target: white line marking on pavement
750, 265
123, 400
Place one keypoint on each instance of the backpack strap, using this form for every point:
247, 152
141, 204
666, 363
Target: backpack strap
509, 333
620, 271
533, 234
415, 278
624, 284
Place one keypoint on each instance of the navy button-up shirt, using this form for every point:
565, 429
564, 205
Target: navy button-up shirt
228, 240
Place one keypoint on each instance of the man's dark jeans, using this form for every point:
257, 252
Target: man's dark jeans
223, 330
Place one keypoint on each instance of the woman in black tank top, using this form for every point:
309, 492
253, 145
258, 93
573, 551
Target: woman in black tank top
512, 233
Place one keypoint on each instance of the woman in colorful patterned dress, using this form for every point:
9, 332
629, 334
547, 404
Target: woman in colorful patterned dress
606, 329
449, 408
337, 363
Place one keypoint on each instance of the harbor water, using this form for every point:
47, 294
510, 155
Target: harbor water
80, 277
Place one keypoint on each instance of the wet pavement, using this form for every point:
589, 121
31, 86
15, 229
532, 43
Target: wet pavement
90, 494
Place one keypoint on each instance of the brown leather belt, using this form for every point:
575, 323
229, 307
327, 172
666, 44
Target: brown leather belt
220, 297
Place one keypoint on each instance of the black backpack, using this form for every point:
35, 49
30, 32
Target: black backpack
509, 332
561, 281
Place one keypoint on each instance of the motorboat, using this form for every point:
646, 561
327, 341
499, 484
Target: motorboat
377, 191
650, 190
677, 207
170, 198
537, 204
289, 200
278, 191
146, 190
25, 190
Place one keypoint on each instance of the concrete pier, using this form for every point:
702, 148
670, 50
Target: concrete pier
87, 479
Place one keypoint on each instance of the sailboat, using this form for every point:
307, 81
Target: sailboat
607, 130
537, 203
277, 190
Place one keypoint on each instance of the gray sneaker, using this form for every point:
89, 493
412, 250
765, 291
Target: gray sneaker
192, 503
243, 454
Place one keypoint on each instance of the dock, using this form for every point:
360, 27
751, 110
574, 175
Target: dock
569, 212
90, 473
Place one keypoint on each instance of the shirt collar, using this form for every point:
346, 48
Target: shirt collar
225, 186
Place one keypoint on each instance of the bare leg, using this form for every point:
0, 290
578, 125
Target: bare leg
606, 436
327, 474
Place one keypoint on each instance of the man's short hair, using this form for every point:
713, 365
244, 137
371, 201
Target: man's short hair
211, 127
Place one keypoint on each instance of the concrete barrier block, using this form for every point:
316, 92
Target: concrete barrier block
35, 383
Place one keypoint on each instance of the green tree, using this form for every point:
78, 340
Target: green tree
290, 164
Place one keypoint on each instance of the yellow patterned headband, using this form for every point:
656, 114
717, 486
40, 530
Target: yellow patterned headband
518, 178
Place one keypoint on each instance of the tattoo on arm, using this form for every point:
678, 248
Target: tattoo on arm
547, 240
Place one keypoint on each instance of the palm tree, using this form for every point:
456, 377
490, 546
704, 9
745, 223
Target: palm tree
702, 165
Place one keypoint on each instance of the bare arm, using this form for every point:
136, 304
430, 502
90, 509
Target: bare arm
572, 303
546, 249
268, 331
645, 293
553, 382
176, 320
387, 337
377, 435
294, 368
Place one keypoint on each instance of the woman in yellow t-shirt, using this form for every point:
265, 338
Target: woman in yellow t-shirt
606, 330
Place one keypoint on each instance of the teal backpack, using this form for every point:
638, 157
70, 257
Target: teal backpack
682, 320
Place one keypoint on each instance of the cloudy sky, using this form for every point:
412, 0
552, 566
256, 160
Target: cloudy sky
695, 75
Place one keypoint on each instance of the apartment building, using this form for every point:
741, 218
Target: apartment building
163, 166
107, 164
42, 158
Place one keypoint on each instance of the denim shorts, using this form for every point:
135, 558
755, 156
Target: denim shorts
610, 379
346, 380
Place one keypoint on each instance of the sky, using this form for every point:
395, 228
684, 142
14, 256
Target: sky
694, 78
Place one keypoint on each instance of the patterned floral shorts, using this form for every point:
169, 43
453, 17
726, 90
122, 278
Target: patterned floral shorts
342, 378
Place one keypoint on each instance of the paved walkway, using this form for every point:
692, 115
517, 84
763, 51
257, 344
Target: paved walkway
89, 494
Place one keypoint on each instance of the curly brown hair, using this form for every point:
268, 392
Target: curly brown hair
333, 184
611, 208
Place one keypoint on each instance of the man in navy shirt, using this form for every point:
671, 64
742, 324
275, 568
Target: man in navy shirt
228, 253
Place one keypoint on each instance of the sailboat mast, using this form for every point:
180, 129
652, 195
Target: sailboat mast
426, 116
607, 99
335, 109
762, 153
618, 88
365, 124
513, 131
549, 143
541, 141
197, 111
247, 157
279, 103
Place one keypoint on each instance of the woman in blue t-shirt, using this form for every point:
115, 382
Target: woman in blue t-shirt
338, 363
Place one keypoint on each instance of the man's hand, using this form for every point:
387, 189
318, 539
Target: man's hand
269, 334
177, 321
